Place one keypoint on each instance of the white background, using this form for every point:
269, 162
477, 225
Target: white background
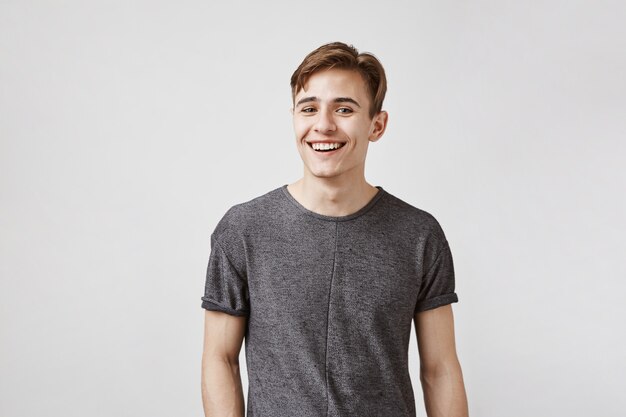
129, 128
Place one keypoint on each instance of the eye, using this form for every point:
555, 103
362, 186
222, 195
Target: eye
344, 110
307, 110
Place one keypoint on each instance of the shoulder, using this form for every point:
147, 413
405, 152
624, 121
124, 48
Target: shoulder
243, 216
421, 228
412, 218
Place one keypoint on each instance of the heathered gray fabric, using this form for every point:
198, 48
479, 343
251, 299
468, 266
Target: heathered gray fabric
330, 301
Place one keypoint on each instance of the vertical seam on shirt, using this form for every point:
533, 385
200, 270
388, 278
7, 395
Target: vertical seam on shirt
330, 291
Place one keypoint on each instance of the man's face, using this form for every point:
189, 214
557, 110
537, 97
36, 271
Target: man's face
332, 110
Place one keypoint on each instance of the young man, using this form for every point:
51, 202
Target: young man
324, 277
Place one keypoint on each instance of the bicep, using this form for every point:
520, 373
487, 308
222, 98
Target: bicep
223, 335
435, 337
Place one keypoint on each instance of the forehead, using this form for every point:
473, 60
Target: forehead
331, 83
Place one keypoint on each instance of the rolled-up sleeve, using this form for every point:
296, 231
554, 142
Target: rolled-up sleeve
437, 287
226, 288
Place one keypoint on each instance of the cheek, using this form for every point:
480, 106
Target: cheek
300, 129
299, 133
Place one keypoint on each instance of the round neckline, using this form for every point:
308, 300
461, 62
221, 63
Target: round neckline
351, 216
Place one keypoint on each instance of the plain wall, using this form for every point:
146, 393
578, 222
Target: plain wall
128, 129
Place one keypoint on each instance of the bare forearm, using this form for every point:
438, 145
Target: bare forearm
444, 392
222, 392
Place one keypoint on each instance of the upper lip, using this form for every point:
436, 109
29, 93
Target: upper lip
324, 141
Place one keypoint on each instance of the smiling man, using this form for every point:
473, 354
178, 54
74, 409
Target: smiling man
324, 277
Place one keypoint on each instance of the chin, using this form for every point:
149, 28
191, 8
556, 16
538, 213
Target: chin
323, 173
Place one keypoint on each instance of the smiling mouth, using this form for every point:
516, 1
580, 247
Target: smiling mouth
326, 147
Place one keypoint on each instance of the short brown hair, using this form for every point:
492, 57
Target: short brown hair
341, 55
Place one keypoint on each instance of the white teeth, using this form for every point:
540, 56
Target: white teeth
325, 146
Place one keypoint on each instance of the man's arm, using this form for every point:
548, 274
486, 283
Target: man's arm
440, 371
222, 392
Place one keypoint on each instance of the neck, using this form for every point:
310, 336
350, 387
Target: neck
332, 196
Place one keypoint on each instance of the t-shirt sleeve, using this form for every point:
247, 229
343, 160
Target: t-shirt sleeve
225, 289
437, 284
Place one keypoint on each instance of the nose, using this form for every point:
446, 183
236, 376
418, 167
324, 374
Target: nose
324, 122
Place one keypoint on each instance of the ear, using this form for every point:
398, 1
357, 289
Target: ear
379, 124
291, 111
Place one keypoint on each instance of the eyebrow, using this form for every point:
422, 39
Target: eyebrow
337, 100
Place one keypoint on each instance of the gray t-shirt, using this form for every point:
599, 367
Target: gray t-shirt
330, 301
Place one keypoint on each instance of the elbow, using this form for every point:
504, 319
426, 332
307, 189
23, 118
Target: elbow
441, 369
230, 361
